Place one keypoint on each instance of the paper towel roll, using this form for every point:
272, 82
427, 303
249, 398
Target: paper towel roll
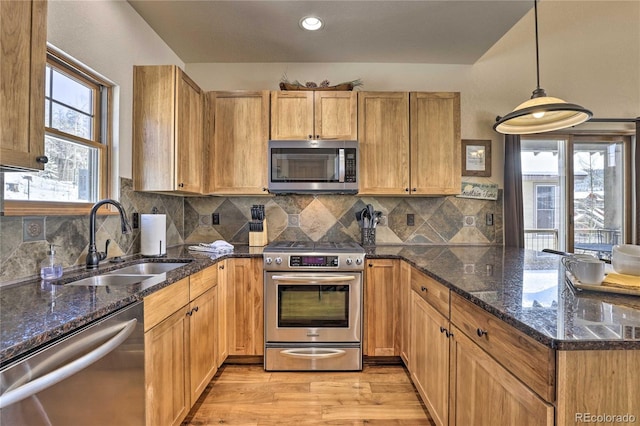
153, 234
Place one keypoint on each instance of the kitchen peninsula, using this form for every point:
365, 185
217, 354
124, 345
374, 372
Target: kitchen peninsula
523, 309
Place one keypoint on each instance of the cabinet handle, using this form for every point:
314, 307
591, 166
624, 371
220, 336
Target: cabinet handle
414, 189
196, 309
317, 136
181, 185
42, 159
406, 190
264, 189
442, 329
310, 136
221, 266
423, 288
371, 265
482, 332
190, 313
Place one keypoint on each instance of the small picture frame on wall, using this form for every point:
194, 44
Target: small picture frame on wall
476, 157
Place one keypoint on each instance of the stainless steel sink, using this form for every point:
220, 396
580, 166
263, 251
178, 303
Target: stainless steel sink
147, 268
111, 279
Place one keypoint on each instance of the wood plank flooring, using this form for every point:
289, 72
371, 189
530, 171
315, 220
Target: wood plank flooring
248, 395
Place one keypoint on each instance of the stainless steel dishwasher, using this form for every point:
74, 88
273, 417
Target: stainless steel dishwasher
94, 376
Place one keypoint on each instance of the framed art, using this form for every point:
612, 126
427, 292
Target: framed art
476, 157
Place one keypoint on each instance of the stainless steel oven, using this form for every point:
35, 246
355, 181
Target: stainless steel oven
313, 306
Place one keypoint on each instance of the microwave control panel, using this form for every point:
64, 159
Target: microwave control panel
350, 165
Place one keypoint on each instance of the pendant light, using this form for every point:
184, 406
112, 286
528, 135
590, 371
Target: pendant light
541, 113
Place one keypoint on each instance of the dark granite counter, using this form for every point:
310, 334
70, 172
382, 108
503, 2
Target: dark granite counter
35, 312
526, 289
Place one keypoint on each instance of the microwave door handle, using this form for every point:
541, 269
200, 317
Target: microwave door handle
341, 166
313, 278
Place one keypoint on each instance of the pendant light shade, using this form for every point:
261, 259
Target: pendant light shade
541, 113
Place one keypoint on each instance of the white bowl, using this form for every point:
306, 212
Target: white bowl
625, 259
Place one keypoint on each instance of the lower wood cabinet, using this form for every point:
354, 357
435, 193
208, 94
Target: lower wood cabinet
487, 394
429, 357
245, 314
381, 308
222, 350
180, 346
202, 342
405, 312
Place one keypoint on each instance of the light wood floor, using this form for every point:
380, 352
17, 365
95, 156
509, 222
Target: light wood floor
248, 395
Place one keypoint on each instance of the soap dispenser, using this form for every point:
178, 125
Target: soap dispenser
50, 268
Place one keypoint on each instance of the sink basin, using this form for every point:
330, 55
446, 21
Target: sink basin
110, 279
147, 268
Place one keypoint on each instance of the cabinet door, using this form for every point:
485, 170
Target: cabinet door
405, 312
292, 115
335, 115
383, 129
435, 143
381, 301
167, 383
245, 311
189, 128
487, 394
202, 341
23, 48
222, 313
238, 142
429, 357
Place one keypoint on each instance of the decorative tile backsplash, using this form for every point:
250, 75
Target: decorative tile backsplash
437, 220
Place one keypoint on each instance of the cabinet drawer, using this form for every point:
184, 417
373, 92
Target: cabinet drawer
434, 293
202, 281
165, 302
530, 361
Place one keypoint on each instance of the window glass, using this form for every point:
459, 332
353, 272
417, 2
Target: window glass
69, 176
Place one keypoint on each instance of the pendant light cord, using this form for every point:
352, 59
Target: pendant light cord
535, 7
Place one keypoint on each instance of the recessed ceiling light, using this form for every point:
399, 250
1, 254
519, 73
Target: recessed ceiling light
311, 23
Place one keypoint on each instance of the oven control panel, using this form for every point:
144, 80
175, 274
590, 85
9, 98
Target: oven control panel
319, 261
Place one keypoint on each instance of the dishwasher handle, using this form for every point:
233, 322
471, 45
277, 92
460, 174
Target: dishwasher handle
56, 376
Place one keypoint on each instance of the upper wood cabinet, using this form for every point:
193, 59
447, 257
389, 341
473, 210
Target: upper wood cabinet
435, 143
383, 129
167, 131
23, 55
236, 135
409, 143
301, 115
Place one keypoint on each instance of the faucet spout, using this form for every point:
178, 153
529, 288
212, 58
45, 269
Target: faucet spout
93, 256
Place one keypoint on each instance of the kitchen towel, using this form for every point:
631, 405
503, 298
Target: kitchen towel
153, 234
219, 246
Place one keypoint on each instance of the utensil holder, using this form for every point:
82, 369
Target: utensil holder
368, 236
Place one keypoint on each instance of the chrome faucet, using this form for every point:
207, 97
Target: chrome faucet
94, 256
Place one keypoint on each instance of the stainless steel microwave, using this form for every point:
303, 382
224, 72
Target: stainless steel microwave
313, 166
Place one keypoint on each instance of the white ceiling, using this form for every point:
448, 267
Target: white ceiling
419, 31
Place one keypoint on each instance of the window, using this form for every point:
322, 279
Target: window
76, 144
575, 192
545, 206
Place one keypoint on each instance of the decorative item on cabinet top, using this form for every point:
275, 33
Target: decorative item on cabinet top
285, 84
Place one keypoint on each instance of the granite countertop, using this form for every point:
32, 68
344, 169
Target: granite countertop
526, 289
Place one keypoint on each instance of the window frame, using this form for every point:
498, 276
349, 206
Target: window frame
102, 140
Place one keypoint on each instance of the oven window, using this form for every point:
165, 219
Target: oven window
305, 165
313, 306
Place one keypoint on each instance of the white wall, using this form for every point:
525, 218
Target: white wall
109, 37
589, 54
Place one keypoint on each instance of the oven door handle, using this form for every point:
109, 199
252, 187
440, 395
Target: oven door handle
310, 353
313, 278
